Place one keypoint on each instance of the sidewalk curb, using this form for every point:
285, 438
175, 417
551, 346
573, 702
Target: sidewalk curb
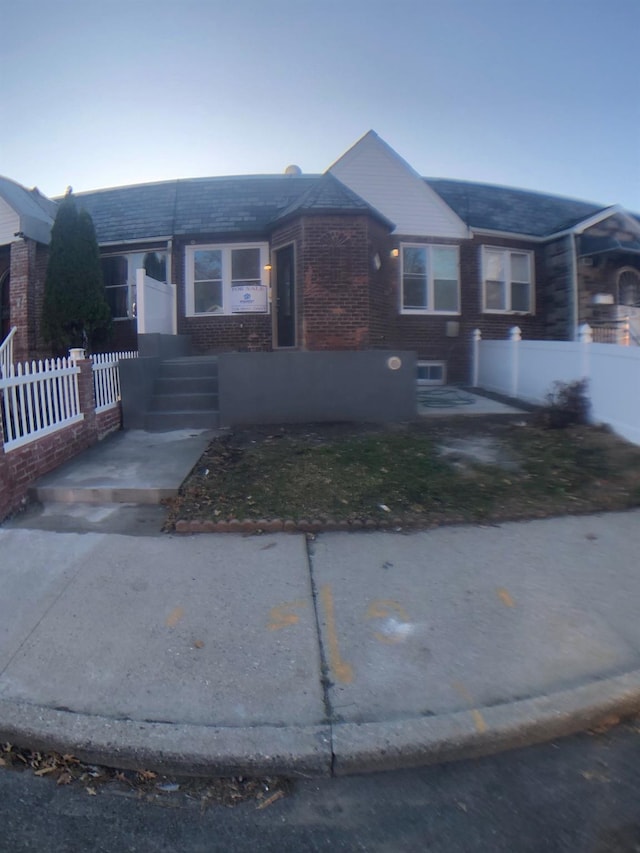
171, 748
338, 749
369, 747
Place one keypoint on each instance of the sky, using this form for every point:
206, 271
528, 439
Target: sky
538, 94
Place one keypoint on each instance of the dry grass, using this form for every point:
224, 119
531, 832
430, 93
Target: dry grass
349, 472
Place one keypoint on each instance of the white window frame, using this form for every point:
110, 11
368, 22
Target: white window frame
135, 261
428, 247
226, 249
432, 382
507, 252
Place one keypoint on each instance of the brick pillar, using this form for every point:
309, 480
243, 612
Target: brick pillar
23, 260
87, 399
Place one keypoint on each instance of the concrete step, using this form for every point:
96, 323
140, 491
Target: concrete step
187, 368
183, 402
166, 421
186, 385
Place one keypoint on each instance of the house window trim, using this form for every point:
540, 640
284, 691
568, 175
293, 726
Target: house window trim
130, 284
432, 383
532, 282
431, 312
226, 249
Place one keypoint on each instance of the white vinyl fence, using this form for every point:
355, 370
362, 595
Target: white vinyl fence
527, 370
155, 305
106, 378
38, 399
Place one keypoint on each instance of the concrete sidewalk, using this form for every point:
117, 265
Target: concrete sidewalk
344, 653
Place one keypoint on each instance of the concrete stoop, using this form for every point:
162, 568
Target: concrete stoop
185, 395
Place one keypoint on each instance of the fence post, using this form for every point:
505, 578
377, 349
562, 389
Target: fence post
87, 399
515, 336
6, 484
475, 357
585, 337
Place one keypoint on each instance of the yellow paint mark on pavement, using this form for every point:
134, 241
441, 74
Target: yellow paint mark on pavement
387, 608
505, 598
174, 617
478, 720
383, 608
342, 671
281, 616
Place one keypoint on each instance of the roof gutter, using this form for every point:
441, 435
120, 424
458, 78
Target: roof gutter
512, 235
142, 240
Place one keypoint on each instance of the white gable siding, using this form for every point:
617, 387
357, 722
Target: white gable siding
382, 178
9, 223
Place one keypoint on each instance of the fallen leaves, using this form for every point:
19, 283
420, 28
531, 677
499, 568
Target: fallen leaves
147, 784
270, 800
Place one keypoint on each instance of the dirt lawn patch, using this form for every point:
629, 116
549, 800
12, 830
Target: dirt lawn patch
413, 475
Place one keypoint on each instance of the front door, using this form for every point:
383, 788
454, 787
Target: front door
285, 301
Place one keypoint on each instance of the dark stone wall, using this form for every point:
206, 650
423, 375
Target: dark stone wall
300, 387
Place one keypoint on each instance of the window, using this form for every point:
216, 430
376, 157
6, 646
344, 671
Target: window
226, 279
115, 277
431, 372
119, 277
430, 281
629, 287
507, 281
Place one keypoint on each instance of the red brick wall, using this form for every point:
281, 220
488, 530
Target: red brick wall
28, 268
20, 467
335, 283
383, 290
427, 335
23, 257
123, 338
108, 421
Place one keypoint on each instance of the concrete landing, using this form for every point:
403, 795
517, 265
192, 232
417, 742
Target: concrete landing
448, 401
133, 466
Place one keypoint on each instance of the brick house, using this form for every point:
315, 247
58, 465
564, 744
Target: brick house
367, 255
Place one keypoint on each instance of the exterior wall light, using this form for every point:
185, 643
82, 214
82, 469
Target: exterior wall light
395, 253
267, 267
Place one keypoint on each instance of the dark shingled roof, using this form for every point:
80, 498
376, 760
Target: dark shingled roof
329, 195
246, 204
516, 211
252, 204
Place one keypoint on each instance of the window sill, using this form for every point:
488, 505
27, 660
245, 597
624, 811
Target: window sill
209, 315
422, 312
508, 313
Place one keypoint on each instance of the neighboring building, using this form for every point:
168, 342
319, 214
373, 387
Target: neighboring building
367, 255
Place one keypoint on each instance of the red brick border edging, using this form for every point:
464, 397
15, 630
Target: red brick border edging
279, 525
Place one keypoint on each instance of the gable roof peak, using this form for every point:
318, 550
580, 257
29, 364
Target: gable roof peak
379, 175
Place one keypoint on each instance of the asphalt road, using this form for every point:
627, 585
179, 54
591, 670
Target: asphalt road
580, 795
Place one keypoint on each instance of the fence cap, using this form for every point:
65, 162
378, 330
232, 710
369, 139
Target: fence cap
77, 353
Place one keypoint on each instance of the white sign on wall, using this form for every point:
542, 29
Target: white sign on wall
249, 298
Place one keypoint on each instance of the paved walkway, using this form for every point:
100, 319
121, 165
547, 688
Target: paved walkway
278, 653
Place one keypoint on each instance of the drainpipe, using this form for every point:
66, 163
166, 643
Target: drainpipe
574, 287
174, 290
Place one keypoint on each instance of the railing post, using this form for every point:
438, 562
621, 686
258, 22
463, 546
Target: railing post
475, 358
515, 336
